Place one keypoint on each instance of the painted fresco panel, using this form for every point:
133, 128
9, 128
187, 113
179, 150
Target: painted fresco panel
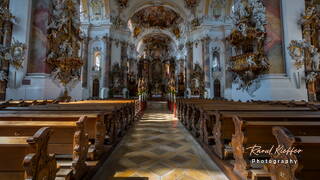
274, 48
38, 40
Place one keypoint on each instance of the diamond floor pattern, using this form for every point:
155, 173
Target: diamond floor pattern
159, 148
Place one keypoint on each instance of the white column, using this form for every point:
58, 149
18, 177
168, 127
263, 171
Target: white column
291, 13
21, 31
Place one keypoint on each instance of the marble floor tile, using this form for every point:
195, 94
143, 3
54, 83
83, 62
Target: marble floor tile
159, 148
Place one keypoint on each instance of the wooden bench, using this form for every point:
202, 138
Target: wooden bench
69, 141
95, 126
202, 122
223, 125
251, 131
27, 157
213, 123
308, 166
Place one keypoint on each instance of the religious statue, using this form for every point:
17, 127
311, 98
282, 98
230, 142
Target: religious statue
172, 85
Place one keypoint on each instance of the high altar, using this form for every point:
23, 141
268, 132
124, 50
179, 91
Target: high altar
156, 73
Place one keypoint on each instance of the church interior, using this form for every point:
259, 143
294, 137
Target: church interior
159, 89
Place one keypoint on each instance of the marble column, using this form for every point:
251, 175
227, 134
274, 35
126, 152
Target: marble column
105, 81
85, 48
124, 59
189, 64
206, 63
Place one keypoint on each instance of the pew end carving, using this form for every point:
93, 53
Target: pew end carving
40, 164
238, 139
283, 171
80, 149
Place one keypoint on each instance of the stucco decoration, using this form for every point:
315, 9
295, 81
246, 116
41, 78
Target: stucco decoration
64, 43
117, 22
305, 54
3, 76
97, 9
122, 3
5, 14
192, 5
248, 38
12, 53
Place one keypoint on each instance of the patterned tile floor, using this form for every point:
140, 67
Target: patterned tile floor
159, 148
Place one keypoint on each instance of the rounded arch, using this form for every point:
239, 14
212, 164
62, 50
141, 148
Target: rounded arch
152, 31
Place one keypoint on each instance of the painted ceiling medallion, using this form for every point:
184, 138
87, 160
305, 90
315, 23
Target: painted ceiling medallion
123, 3
156, 16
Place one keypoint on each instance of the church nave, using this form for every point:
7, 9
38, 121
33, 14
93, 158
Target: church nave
159, 148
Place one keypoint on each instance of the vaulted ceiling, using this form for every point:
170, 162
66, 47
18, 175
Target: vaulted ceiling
156, 16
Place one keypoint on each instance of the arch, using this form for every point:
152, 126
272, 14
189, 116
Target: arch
216, 63
217, 88
97, 60
139, 42
154, 31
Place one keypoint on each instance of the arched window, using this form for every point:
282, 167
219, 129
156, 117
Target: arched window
97, 61
215, 62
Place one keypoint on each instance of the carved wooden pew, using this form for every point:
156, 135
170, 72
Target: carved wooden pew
251, 131
127, 110
200, 121
95, 125
69, 142
223, 127
308, 166
27, 157
120, 117
124, 119
24, 103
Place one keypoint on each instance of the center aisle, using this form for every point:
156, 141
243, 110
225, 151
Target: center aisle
161, 149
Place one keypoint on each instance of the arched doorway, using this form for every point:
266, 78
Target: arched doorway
95, 88
217, 88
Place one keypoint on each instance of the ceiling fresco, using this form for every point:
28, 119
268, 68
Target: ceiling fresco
156, 16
